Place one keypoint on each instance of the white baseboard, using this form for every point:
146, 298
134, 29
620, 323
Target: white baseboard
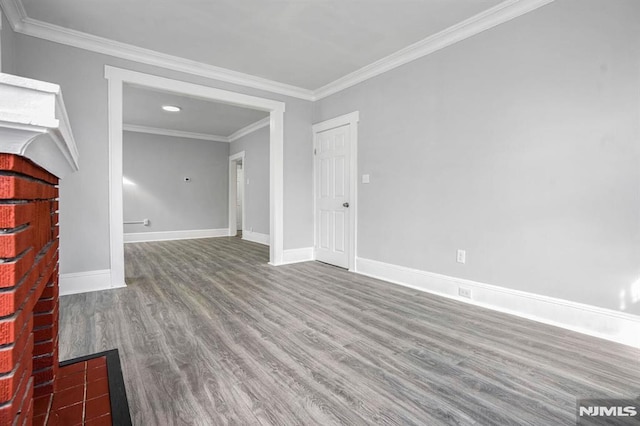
256, 237
84, 282
142, 237
594, 321
305, 254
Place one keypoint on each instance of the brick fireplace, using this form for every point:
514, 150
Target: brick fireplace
36, 148
28, 285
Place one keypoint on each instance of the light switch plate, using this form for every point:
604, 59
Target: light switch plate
365, 179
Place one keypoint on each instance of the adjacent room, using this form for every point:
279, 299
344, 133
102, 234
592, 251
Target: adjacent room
190, 166
316, 213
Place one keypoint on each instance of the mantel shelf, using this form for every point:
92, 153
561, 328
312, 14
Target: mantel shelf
34, 124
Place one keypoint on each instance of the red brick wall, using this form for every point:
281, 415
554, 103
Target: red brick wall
28, 287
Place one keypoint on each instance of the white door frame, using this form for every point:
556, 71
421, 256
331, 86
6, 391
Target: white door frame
352, 120
233, 182
116, 78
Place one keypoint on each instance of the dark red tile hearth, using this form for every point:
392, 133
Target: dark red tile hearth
97, 407
82, 396
71, 381
98, 388
41, 405
100, 421
72, 368
70, 416
39, 420
97, 373
96, 362
68, 397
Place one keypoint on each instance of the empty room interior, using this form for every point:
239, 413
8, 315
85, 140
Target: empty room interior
320, 212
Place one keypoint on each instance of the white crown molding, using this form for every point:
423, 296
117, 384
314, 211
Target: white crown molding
174, 133
490, 18
21, 23
249, 129
202, 136
483, 21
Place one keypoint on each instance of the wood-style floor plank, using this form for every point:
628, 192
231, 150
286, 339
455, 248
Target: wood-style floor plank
209, 334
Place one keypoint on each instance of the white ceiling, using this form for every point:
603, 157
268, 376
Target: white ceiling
306, 43
142, 107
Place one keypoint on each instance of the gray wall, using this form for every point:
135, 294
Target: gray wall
157, 166
84, 196
7, 47
256, 169
520, 145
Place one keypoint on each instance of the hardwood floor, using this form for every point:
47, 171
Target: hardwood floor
210, 334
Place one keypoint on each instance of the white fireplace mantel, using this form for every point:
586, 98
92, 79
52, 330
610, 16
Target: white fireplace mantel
34, 124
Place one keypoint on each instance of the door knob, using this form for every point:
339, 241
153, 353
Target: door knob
345, 204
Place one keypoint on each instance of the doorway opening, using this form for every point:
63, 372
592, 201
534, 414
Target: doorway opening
237, 166
239, 198
116, 78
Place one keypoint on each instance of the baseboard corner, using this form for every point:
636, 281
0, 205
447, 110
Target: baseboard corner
85, 282
305, 254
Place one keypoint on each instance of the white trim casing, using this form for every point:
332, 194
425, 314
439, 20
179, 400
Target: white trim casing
173, 133
604, 323
190, 234
305, 254
501, 13
255, 237
276, 187
249, 129
352, 120
116, 78
84, 282
116, 209
233, 192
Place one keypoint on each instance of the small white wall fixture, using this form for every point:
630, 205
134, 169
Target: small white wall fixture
116, 78
352, 120
233, 194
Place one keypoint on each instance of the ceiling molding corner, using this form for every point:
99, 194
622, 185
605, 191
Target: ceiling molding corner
15, 13
173, 133
250, 129
499, 14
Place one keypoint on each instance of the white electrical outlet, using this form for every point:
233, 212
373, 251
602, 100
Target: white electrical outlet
366, 179
462, 256
464, 292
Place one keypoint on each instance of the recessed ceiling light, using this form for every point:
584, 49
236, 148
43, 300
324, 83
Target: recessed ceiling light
171, 108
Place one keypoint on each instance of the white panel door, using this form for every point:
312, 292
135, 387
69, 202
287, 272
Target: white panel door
332, 196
